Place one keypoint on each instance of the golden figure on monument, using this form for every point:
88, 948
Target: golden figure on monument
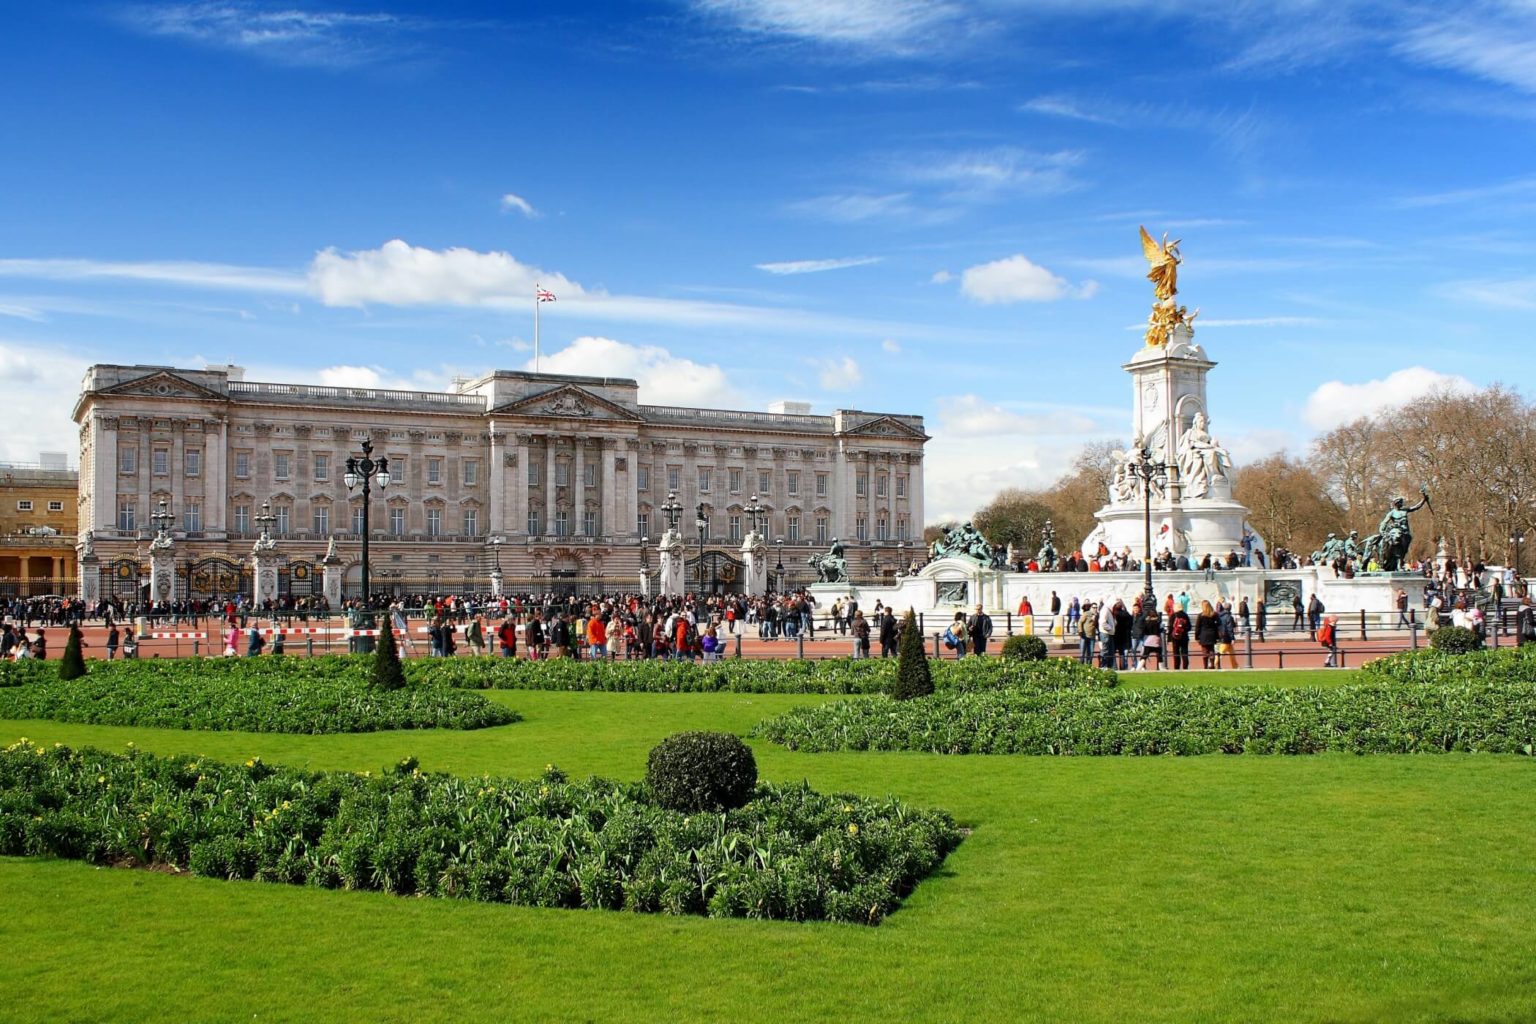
1163, 259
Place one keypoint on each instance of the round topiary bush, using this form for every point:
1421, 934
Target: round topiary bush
701, 771
1024, 648
1455, 640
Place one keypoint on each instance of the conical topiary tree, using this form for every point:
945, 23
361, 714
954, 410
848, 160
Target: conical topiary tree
72, 666
913, 678
388, 674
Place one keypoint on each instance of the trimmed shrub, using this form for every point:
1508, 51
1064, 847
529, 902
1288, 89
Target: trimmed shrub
912, 676
1455, 640
1024, 648
72, 665
701, 771
387, 671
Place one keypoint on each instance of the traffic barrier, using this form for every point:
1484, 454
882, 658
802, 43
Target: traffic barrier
178, 636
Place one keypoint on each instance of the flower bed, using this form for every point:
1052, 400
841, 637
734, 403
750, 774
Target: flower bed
790, 853
834, 675
1505, 665
297, 695
1379, 718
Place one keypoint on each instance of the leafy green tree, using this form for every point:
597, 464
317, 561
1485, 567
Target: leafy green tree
1013, 517
73, 664
913, 678
387, 671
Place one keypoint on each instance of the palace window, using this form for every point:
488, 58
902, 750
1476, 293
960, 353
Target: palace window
880, 485
434, 471
321, 520
23, 506
902, 529
764, 483
357, 519
882, 528
127, 460
735, 481
859, 529
589, 524
192, 517
280, 462
242, 519
322, 467
589, 474
821, 485
861, 484
434, 522
560, 523
283, 514
242, 464
643, 524
901, 487
533, 523
193, 460
674, 478
704, 480
643, 478
793, 529
55, 506
822, 530
792, 481
397, 522
535, 474
471, 522
126, 513
735, 527
471, 472
562, 474
161, 464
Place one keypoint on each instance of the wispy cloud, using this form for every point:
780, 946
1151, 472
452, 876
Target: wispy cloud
197, 275
284, 35
1067, 107
887, 26
983, 174
511, 201
1516, 293
1493, 41
838, 374
854, 207
1515, 187
22, 312
817, 266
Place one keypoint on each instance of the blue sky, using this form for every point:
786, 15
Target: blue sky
910, 205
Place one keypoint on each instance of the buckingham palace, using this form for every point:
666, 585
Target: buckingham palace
554, 480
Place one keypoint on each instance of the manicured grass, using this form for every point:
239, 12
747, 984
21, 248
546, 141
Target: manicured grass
1092, 889
1242, 677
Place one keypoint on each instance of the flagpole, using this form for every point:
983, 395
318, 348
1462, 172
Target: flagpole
535, 327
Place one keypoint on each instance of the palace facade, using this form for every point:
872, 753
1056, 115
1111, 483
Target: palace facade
559, 480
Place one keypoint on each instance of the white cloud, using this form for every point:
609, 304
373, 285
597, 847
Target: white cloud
665, 379
192, 274
22, 312
941, 277
1065, 106
399, 274
971, 416
1519, 293
891, 345
37, 390
1018, 279
817, 266
285, 35
512, 201
981, 174
839, 374
1335, 403
1496, 42
851, 208
892, 25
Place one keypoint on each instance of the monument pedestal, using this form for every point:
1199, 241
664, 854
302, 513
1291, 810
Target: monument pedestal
754, 553
162, 571
90, 580
264, 575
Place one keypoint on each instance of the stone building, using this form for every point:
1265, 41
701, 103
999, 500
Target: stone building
38, 505
560, 480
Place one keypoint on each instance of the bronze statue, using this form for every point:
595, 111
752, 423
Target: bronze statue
1394, 533
831, 567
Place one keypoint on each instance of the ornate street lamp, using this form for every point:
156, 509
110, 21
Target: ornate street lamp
755, 511
1150, 471
701, 520
265, 521
364, 472
779, 546
496, 543
645, 564
671, 509
162, 517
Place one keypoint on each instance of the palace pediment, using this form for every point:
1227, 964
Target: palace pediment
568, 402
885, 426
163, 384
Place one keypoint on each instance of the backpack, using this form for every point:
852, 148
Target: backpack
949, 637
1325, 634
1180, 628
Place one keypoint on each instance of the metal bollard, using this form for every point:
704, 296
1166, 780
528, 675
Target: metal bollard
309, 647
195, 648
1413, 634
1010, 622
937, 653
800, 644
920, 620
1281, 656
738, 646
1249, 644
1362, 625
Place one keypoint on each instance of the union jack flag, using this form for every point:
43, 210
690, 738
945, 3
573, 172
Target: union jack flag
543, 294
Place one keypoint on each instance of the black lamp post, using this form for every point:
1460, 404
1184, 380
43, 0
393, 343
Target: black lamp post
163, 518
1150, 471
779, 546
1517, 538
265, 520
496, 543
671, 509
363, 472
754, 511
701, 520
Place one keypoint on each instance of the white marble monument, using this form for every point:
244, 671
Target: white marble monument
673, 555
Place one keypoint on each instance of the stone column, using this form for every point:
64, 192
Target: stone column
915, 498
90, 578
264, 572
549, 484
103, 509
162, 570
178, 469
519, 512
331, 571
610, 513
495, 480
578, 487
215, 466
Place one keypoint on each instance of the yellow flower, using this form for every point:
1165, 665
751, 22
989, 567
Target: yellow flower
101, 778
853, 830
251, 763
847, 808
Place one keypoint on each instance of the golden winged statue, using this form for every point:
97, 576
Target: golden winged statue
1163, 261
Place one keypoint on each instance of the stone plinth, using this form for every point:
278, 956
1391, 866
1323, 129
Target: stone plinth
162, 571
754, 554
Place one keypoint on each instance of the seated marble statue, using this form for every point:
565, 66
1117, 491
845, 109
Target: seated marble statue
1201, 459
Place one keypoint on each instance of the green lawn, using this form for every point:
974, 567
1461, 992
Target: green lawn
1096, 889
1242, 677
